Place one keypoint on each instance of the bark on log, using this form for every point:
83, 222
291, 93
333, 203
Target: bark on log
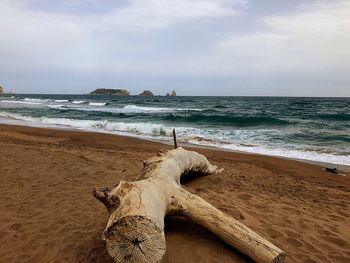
135, 229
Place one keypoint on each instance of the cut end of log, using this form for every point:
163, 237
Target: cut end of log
135, 239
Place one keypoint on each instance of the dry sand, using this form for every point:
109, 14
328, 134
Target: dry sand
47, 212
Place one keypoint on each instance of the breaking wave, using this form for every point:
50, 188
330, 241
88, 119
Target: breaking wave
207, 137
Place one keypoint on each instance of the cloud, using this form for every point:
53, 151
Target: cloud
313, 40
180, 40
33, 37
155, 14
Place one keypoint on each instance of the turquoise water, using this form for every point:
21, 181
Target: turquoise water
316, 129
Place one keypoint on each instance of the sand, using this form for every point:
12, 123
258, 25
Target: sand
48, 214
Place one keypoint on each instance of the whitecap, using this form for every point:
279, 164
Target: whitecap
58, 106
21, 102
134, 108
98, 103
35, 100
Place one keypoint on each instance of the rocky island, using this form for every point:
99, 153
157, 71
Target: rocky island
173, 94
1, 90
146, 93
110, 92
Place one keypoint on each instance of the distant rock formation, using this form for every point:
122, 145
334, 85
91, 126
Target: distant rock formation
173, 93
1, 90
110, 92
147, 93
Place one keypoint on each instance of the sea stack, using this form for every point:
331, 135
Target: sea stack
173, 94
1, 90
146, 93
110, 92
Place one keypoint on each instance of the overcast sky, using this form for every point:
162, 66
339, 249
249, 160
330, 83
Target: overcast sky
197, 47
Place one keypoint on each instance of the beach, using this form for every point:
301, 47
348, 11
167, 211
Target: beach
48, 213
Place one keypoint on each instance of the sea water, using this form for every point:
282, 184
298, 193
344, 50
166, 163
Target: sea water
315, 129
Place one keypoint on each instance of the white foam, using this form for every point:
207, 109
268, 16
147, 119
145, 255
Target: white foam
98, 103
35, 100
61, 101
56, 106
279, 152
79, 101
107, 126
126, 109
134, 108
14, 116
21, 102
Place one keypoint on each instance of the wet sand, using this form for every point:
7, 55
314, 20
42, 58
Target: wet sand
48, 214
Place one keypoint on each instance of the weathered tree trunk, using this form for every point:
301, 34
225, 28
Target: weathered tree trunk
135, 229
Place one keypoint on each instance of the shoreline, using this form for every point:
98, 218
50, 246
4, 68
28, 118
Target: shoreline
48, 212
341, 167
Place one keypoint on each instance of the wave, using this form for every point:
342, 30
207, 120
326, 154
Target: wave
134, 108
21, 102
62, 100
207, 137
35, 100
138, 128
323, 137
219, 106
79, 102
98, 103
15, 116
128, 109
240, 121
61, 107
335, 117
279, 151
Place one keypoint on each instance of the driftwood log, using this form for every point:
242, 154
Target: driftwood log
135, 229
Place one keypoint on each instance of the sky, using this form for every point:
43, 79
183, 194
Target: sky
197, 47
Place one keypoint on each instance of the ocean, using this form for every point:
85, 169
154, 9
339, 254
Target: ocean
314, 129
